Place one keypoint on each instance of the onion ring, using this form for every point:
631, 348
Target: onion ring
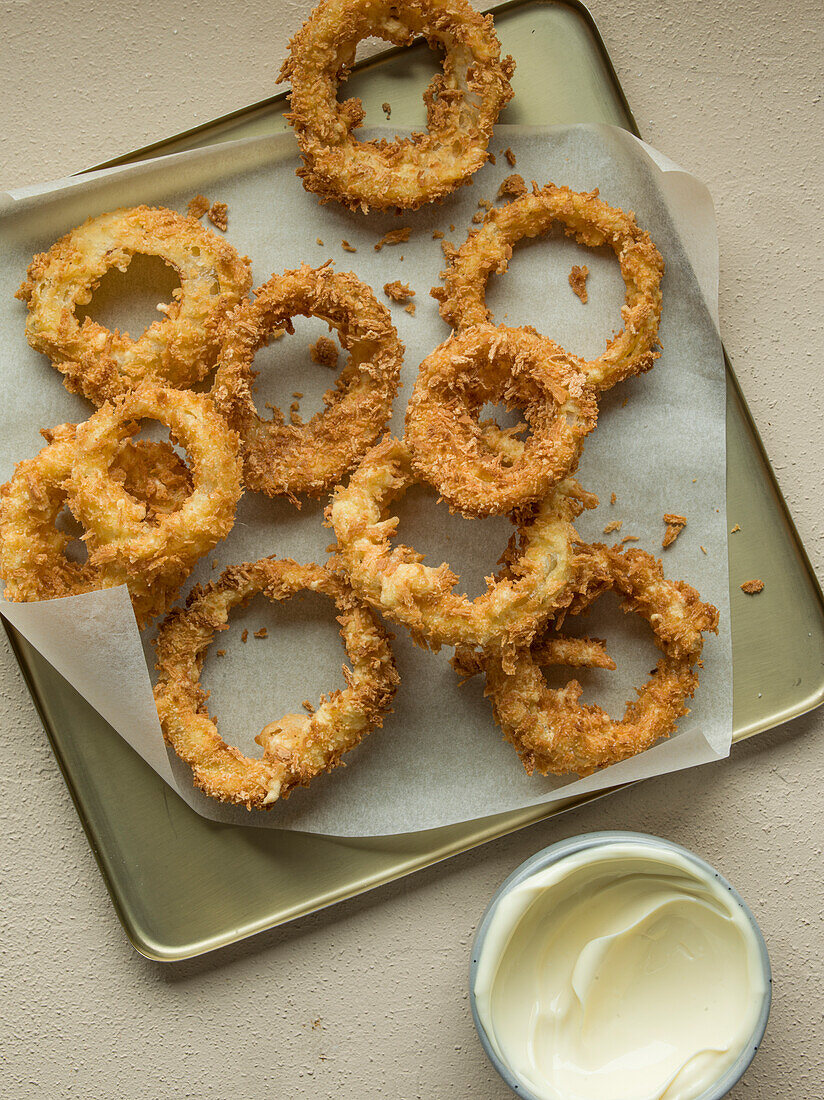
540, 573
177, 351
450, 449
288, 459
462, 102
154, 558
550, 729
591, 222
299, 746
33, 561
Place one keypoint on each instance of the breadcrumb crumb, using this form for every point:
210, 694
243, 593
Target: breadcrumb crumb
437, 235
735, 529
615, 525
394, 236
325, 353
512, 187
244, 636
578, 281
675, 525
613, 498
219, 216
347, 247
198, 206
387, 109
410, 309
319, 241
221, 652
262, 633
398, 291
629, 538
510, 158
752, 587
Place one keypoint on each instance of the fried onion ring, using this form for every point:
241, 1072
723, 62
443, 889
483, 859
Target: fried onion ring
33, 559
299, 746
176, 351
540, 574
462, 102
550, 729
154, 558
451, 449
310, 458
591, 222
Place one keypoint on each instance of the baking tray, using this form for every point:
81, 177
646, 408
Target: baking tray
182, 885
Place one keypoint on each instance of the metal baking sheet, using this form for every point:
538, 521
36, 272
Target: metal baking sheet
183, 885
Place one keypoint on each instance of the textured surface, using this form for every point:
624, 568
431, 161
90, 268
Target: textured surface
368, 999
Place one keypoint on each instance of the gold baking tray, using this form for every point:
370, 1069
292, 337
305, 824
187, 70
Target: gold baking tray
182, 885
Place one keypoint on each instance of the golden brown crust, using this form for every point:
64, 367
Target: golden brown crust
512, 187
298, 747
178, 350
290, 459
550, 729
197, 206
578, 281
462, 102
591, 222
398, 292
219, 216
540, 566
454, 452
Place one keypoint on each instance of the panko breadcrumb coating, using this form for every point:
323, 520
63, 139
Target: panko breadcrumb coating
398, 291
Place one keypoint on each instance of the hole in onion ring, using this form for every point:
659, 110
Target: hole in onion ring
420, 66
286, 367
76, 550
470, 546
302, 649
127, 301
582, 329
628, 640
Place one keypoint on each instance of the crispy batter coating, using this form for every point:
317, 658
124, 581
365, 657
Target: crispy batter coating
299, 746
219, 216
146, 517
176, 351
462, 102
288, 459
489, 364
540, 563
591, 222
578, 282
550, 729
198, 206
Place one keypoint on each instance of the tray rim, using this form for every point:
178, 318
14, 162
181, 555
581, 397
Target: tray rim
498, 825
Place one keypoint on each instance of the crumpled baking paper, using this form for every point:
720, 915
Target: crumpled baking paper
659, 446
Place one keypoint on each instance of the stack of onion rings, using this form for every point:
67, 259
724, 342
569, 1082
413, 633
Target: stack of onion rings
462, 102
177, 351
487, 364
591, 222
550, 729
291, 459
299, 746
541, 573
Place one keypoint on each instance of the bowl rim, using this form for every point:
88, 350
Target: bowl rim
554, 853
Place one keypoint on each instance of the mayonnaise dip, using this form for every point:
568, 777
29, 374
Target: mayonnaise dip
623, 971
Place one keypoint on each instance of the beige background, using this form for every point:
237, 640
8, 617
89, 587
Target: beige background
368, 999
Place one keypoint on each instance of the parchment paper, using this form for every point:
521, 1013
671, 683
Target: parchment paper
659, 445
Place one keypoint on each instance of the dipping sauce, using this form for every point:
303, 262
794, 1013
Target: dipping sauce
623, 971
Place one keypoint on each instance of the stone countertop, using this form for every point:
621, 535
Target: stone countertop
368, 999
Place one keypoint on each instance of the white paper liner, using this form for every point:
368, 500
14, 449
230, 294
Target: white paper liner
659, 445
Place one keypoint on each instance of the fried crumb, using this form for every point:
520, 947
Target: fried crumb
437, 235
307, 706
294, 414
452, 229
387, 109
297, 395
624, 403
317, 1023
478, 217
510, 158
735, 529
512, 187
491, 158
244, 636
578, 281
221, 652
198, 206
398, 291
615, 525
325, 353
629, 538
214, 563
319, 241
394, 236
703, 549
410, 309
262, 633
613, 498
675, 525
752, 587
347, 247
219, 216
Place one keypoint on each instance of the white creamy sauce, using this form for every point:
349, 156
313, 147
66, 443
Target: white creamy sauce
622, 972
